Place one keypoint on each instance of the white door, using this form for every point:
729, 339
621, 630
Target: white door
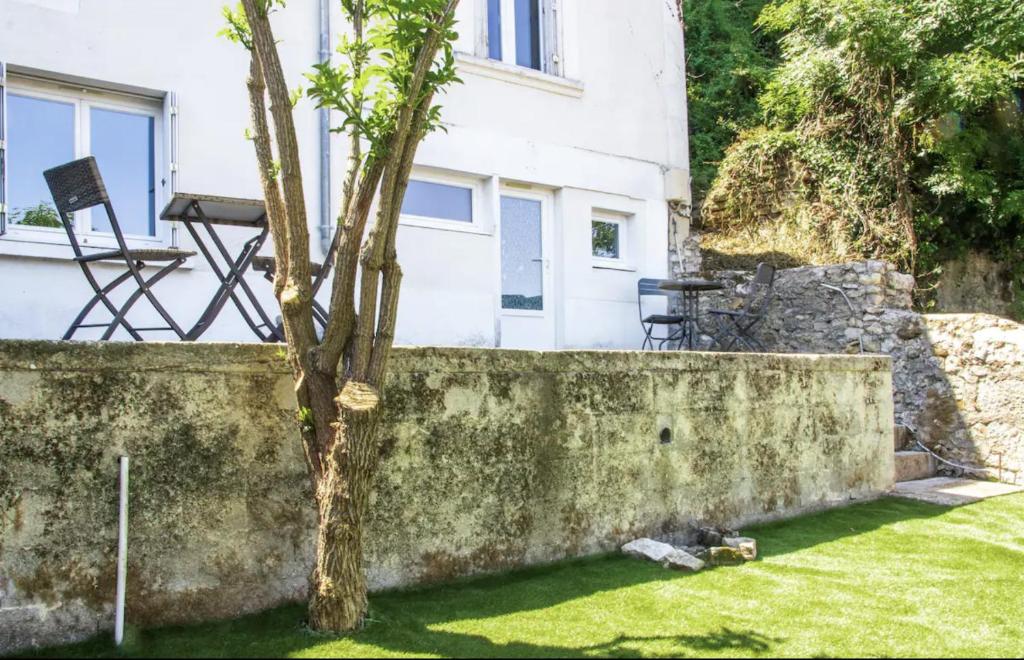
527, 317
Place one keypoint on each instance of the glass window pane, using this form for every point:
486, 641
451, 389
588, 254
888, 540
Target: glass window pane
605, 239
494, 29
122, 143
528, 33
437, 200
41, 135
522, 254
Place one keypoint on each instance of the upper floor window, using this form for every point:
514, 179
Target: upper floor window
523, 32
49, 124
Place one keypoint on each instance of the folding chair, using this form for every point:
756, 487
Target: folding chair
737, 326
76, 186
320, 272
650, 287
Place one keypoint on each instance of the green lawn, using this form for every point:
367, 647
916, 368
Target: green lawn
888, 578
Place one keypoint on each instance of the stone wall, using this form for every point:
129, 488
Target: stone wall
844, 308
957, 379
961, 377
492, 460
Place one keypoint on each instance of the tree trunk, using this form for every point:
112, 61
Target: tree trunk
338, 586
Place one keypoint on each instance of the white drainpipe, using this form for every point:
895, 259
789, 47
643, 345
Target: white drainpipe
122, 553
326, 226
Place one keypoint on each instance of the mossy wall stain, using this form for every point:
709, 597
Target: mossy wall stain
492, 460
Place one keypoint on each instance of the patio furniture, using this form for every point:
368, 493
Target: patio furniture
650, 287
76, 186
209, 212
689, 290
738, 325
268, 266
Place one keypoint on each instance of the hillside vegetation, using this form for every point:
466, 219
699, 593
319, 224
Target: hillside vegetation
885, 128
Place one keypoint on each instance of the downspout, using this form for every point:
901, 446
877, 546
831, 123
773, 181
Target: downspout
326, 226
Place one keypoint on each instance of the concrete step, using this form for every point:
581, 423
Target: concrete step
914, 465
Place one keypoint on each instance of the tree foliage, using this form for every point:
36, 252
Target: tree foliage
728, 62
898, 121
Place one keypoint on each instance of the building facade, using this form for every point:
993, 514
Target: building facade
527, 223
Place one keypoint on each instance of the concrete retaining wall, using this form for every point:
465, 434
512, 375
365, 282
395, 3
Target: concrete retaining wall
492, 460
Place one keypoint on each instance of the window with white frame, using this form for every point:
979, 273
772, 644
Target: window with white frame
50, 123
609, 234
443, 201
524, 33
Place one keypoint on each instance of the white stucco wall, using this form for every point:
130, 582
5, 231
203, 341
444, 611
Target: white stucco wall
603, 137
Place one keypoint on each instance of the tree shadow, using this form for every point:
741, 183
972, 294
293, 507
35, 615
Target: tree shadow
426, 620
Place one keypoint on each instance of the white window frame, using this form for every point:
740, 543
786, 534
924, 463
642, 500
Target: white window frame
623, 222
479, 225
84, 98
550, 35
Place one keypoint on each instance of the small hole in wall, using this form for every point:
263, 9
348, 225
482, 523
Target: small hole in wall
666, 436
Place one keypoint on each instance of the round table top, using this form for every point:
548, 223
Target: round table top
691, 284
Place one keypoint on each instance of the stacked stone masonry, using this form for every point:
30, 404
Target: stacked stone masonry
958, 379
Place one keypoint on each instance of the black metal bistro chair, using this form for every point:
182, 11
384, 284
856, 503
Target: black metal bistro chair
76, 186
736, 326
319, 272
646, 288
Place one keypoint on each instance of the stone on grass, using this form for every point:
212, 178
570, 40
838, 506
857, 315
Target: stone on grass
680, 560
725, 556
648, 549
746, 545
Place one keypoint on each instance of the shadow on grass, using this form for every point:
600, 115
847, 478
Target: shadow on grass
420, 622
786, 536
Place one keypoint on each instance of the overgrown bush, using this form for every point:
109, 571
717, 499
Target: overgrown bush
890, 128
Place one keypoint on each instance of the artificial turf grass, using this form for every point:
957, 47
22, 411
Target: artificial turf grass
887, 578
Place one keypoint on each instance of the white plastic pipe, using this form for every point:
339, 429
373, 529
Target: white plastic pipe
122, 554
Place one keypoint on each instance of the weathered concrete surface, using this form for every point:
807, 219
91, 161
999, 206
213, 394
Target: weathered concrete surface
492, 460
948, 491
914, 465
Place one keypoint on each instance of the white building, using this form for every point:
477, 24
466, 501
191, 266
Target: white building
572, 112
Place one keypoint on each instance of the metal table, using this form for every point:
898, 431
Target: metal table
208, 211
689, 290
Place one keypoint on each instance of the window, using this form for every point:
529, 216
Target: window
608, 237
49, 124
426, 199
441, 200
522, 32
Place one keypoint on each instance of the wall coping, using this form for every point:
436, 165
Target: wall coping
208, 357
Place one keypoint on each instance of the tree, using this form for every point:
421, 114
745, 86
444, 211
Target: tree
728, 62
396, 59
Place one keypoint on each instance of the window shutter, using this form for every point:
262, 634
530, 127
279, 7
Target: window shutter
552, 46
171, 122
3, 148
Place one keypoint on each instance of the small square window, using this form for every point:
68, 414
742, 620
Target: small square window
606, 239
426, 199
